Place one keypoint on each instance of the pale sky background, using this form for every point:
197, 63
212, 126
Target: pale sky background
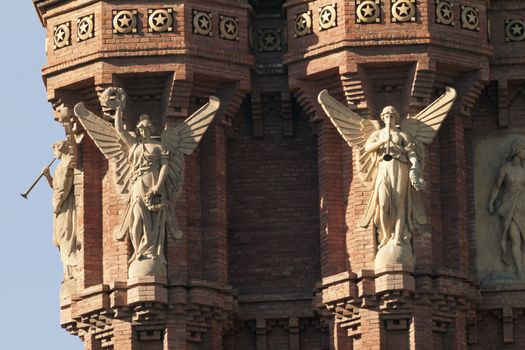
30, 268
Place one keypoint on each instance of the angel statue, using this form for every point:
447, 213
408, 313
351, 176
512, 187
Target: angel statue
390, 166
65, 233
148, 172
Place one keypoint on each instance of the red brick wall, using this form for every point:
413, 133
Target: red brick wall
273, 208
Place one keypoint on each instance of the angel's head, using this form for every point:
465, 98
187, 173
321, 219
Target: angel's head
144, 127
60, 148
390, 116
517, 150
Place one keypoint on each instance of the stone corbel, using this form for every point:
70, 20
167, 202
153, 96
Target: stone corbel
469, 85
422, 86
176, 99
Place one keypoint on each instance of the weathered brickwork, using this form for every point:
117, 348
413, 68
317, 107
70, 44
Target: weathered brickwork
272, 256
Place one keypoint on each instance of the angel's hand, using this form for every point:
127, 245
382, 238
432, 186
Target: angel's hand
46, 172
384, 138
491, 208
416, 179
155, 190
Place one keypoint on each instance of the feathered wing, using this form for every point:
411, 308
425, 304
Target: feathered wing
424, 126
109, 143
355, 131
183, 139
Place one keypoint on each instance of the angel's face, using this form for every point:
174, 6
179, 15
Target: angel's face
145, 132
390, 115
59, 149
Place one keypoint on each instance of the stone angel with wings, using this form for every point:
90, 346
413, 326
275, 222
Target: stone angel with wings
148, 171
390, 166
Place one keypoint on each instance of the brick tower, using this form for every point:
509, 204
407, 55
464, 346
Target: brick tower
271, 256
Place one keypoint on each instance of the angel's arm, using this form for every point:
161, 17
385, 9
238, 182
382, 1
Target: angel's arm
163, 171
497, 189
47, 175
124, 135
62, 192
374, 142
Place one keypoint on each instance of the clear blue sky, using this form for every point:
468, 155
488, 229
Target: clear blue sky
30, 268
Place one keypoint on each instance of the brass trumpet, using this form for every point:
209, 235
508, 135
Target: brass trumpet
36, 181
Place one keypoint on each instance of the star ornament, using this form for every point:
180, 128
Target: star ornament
469, 18
125, 21
229, 28
368, 11
444, 13
160, 20
86, 28
62, 35
269, 40
515, 30
403, 11
303, 24
202, 23
327, 17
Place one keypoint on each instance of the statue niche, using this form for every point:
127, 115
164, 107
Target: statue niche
507, 199
390, 163
149, 172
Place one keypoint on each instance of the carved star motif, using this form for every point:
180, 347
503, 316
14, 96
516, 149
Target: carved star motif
269, 39
83, 28
231, 28
446, 12
368, 10
160, 19
125, 21
60, 34
472, 18
326, 16
403, 9
517, 29
301, 23
204, 23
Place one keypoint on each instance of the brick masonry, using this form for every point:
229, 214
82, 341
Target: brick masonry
272, 257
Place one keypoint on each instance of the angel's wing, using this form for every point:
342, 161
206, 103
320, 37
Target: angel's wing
109, 143
424, 126
183, 139
355, 131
